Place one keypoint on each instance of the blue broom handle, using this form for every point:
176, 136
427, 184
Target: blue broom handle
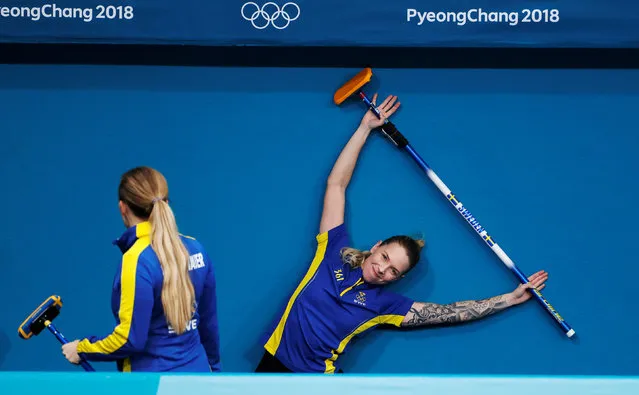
63, 340
401, 142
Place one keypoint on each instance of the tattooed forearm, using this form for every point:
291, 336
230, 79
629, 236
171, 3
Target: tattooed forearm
422, 314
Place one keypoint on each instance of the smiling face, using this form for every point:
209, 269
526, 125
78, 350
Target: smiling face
387, 263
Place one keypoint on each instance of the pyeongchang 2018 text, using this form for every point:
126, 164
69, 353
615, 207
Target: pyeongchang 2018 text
479, 15
84, 14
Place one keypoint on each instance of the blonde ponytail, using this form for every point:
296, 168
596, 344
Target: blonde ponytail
178, 294
145, 191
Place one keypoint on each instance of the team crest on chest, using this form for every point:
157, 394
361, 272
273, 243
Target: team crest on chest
360, 298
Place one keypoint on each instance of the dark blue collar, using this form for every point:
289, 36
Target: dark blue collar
131, 235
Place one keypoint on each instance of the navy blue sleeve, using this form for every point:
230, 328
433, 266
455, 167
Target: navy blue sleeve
208, 327
392, 307
136, 304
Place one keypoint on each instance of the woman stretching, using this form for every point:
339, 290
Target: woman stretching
343, 293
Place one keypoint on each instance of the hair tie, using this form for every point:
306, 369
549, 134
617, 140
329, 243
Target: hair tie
157, 199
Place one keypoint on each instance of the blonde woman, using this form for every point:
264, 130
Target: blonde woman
164, 297
342, 294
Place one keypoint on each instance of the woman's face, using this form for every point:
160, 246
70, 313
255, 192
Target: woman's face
386, 264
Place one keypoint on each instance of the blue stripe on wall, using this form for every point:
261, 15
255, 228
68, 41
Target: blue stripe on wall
28, 383
396, 385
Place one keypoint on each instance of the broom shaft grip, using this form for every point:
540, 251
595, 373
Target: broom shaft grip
63, 340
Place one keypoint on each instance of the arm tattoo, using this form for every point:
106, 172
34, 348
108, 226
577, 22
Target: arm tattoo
422, 314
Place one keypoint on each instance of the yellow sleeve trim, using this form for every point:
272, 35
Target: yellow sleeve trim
393, 319
120, 335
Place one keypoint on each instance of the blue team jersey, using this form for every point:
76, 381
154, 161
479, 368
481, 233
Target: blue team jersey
142, 339
331, 305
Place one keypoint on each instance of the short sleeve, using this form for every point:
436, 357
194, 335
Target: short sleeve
334, 236
332, 241
392, 307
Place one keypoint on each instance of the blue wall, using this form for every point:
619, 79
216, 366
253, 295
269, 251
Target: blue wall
546, 160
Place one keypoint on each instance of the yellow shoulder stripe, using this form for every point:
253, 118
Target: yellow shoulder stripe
120, 335
273, 342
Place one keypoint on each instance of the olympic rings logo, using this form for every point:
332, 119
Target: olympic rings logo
270, 14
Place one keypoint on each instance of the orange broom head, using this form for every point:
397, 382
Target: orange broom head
352, 86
